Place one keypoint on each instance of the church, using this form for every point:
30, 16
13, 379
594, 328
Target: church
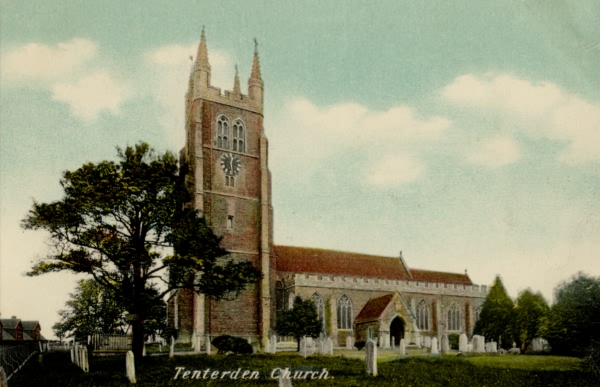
357, 296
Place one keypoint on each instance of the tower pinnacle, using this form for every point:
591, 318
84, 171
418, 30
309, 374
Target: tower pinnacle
202, 56
236, 82
255, 64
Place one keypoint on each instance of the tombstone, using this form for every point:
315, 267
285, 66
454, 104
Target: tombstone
371, 357
470, 347
329, 346
208, 345
514, 351
393, 345
445, 344
303, 346
130, 367
284, 382
273, 344
427, 343
3, 378
172, 347
85, 366
419, 341
537, 344
402, 347
463, 343
491, 347
196, 349
434, 346
349, 344
267, 345
478, 344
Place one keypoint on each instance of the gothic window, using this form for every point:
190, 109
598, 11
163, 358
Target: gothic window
223, 132
423, 315
453, 318
320, 307
344, 312
230, 222
239, 135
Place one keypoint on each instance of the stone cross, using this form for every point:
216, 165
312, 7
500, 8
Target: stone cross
434, 346
284, 382
445, 344
371, 357
172, 347
130, 367
402, 347
3, 378
463, 343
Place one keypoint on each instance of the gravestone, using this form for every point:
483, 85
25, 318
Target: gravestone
434, 346
419, 341
470, 347
267, 345
303, 346
329, 346
284, 382
478, 344
491, 347
427, 343
371, 357
172, 347
273, 344
208, 345
130, 366
349, 343
463, 343
3, 378
402, 347
445, 344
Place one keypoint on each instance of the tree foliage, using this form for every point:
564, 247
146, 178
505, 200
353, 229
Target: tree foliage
119, 222
496, 316
530, 313
574, 320
301, 320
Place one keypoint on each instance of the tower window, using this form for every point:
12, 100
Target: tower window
229, 181
230, 222
239, 133
223, 132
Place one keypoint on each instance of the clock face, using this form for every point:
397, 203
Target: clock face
231, 164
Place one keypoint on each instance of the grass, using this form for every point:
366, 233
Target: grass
55, 369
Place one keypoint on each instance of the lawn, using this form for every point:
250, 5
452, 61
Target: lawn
55, 369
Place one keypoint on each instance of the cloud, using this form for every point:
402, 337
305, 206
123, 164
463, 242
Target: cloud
39, 62
495, 152
91, 95
395, 170
170, 67
541, 109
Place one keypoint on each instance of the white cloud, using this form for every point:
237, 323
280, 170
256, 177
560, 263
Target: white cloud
542, 109
91, 95
394, 170
495, 152
39, 62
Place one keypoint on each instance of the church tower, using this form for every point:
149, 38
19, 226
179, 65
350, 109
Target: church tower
226, 151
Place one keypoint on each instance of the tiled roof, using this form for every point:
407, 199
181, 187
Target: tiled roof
374, 308
7, 336
331, 262
27, 337
10, 323
439, 276
30, 325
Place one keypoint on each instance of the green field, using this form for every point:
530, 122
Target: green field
55, 369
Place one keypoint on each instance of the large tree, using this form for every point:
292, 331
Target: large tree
301, 320
574, 321
531, 310
496, 316
125, 223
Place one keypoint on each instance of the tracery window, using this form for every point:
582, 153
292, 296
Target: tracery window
453, 318
320, 307
344, 312
239, 136
423, 315
223, 132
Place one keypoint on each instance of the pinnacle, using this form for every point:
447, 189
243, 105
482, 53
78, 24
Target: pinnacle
202, 57
255, 64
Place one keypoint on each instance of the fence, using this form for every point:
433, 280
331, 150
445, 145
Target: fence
111, 343
14, 356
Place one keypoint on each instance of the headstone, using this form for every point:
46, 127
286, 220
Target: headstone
208, 345
267, 345
463, 343
329, 346
427, 343
85, 366
434, 346
3, 378
470, 347
194, 347
371, 357
274, 344
130, 366
478, 344
172, 347
349, 344
491, 347
393, 345
284, 382
419, 341
514, 351
303, 346
402, 347
445, 344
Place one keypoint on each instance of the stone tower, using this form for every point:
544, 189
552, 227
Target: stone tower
226, 151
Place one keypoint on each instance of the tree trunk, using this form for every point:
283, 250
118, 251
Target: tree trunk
138, 336
298, 343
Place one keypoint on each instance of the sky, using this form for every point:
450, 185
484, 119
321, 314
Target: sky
464, 134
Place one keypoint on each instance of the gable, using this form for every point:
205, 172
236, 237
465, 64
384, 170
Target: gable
374, 308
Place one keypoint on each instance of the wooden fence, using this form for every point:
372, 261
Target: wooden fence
110, 343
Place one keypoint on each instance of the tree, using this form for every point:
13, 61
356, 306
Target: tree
120, 221
496, 315
530, 313
574, 320
301, 320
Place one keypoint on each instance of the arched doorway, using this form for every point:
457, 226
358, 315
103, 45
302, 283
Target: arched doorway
396, 331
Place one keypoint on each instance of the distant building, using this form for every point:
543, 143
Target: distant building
16, 330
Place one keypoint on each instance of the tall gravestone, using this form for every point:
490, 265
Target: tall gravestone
478, 344
208, 345
445, 344
427, 342
267, 345
371, 357
434, 346
463, 342
419, 341
130, 366
303, 346
284, 382
172, 347
402, 347
274, 344
349, 344
329, 346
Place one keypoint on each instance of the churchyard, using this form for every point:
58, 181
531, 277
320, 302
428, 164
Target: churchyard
343, 368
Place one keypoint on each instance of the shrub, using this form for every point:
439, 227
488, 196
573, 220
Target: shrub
359, 345
453, 340
231, 344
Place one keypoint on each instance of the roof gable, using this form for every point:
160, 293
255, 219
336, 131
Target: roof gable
31, 325
11, 323
374, 308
